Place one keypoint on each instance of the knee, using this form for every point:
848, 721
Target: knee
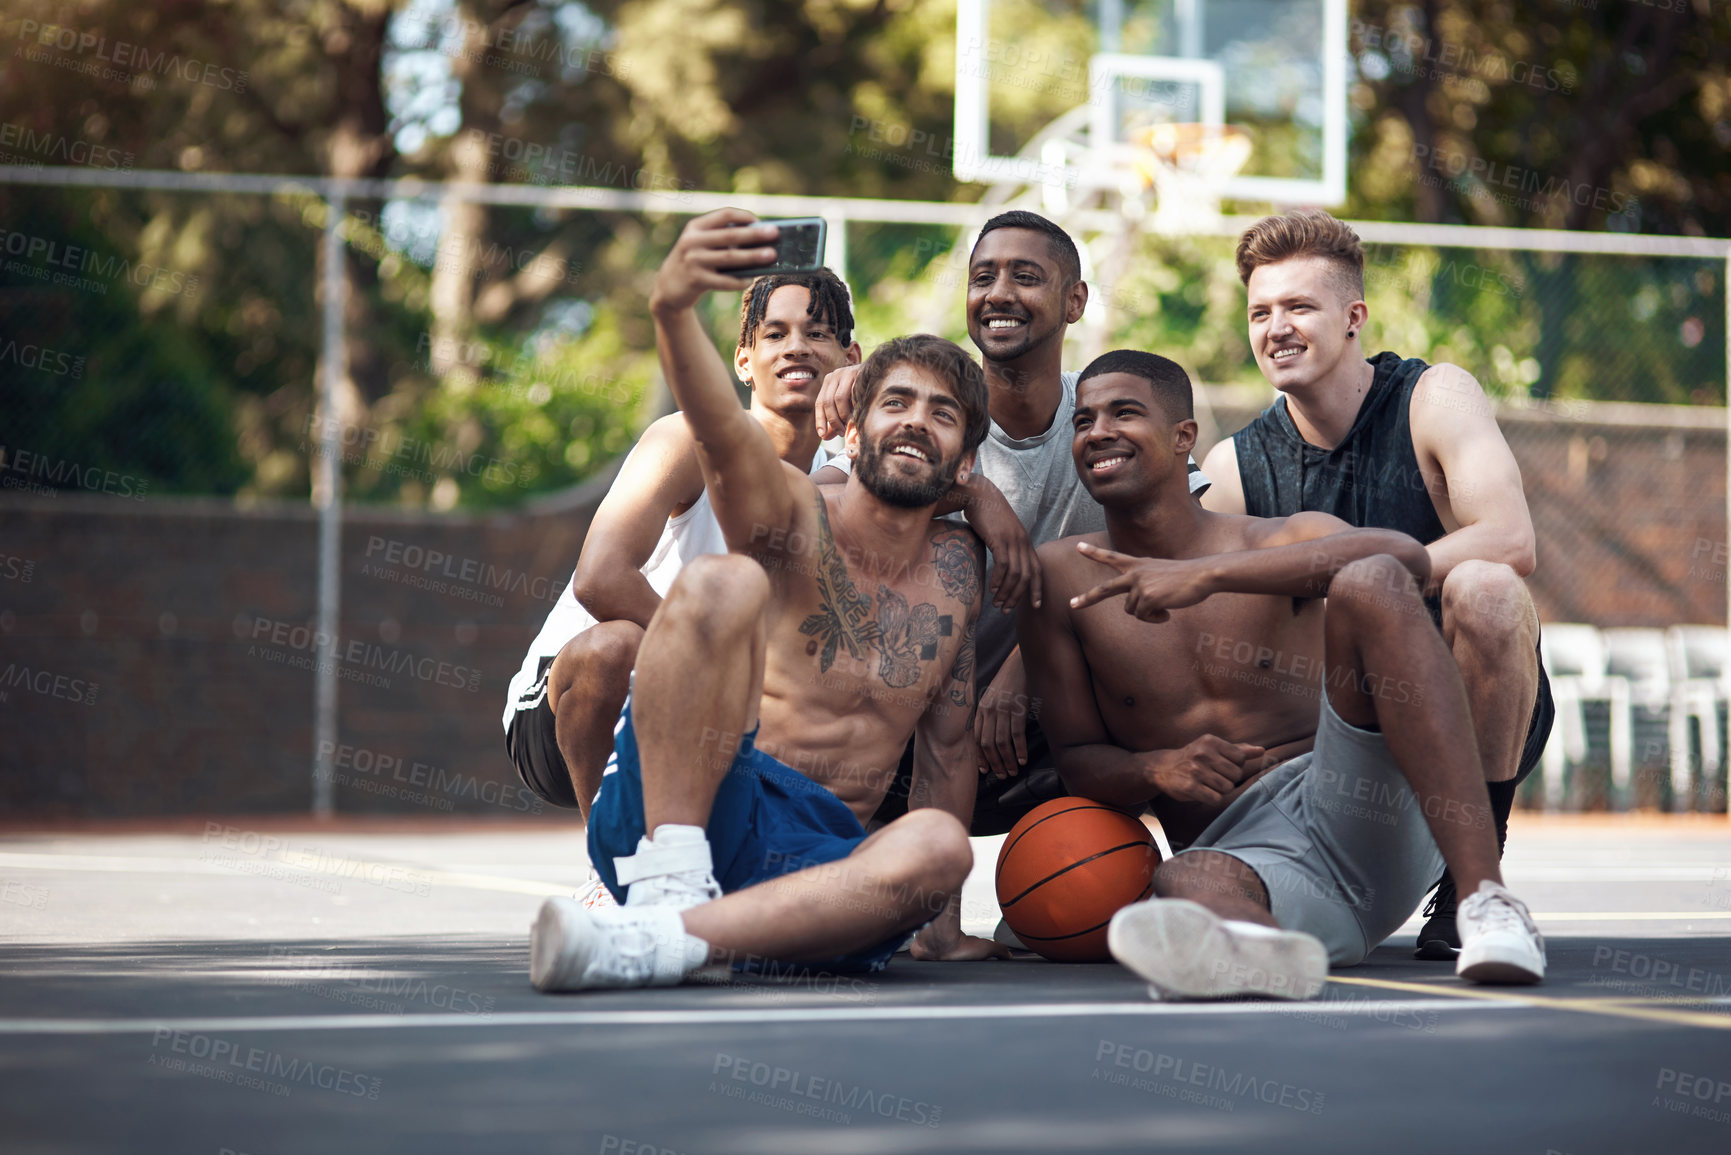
1488, 602
1374, 586
599, 658
718, 595
1183, 876
1203, 874
939, 847
607, 649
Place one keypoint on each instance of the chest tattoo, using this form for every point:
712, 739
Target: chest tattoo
907, 636
844, 618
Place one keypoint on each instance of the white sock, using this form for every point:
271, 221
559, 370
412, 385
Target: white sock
673, 834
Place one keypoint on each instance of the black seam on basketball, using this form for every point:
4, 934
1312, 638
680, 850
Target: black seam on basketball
1082, 804
1069, 868
1008, 846
1061, 937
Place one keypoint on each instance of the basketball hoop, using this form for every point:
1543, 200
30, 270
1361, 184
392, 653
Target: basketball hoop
1185, 166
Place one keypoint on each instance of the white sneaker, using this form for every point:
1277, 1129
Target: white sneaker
1500, 943
1186, 951
595, 895
671, 868
1007, 937
574, 949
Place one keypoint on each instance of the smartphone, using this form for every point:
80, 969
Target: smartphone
799, 249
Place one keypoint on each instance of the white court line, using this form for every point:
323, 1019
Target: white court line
740, 1017
1633, 872
242, 865
236, 866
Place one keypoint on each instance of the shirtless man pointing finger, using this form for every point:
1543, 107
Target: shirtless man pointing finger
1275, 688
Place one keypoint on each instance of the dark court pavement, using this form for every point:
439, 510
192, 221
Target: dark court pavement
258, 989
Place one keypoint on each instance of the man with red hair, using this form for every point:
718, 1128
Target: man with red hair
1394, 443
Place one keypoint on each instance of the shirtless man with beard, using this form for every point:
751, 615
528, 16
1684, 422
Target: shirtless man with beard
777, 684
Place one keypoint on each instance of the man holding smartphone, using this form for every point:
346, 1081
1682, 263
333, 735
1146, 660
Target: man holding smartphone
796, 326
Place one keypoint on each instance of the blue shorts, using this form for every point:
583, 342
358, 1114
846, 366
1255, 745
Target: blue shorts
768, 820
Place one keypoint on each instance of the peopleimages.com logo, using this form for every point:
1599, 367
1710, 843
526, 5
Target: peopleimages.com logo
122, 53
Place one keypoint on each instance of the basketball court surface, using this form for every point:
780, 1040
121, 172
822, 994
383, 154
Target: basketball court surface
257, 986
351, 987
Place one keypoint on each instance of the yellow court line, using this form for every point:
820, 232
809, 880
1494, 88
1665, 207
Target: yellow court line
1614, 1009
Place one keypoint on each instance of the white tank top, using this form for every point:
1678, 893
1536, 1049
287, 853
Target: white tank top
692, 534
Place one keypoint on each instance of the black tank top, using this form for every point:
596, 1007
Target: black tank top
1371, 478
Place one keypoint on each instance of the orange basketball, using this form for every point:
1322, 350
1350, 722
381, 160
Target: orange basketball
1066, 869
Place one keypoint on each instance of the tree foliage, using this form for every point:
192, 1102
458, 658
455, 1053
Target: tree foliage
494, 352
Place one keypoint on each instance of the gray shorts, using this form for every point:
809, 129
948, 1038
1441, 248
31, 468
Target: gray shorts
1338, 838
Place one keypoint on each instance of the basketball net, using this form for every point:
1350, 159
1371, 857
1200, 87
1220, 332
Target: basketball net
1185, 166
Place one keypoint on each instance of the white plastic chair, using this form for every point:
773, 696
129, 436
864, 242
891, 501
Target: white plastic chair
1575, 660
1700, 680
1642, 658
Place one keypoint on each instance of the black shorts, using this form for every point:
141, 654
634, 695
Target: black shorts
1544, 705
533, 745
1539, 727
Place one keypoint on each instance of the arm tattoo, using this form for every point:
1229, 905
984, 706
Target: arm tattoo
956, 557
844, 617
962, 673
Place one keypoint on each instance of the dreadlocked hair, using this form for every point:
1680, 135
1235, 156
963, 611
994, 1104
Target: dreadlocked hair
829, 303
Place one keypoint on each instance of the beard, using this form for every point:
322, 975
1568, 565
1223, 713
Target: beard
872, 469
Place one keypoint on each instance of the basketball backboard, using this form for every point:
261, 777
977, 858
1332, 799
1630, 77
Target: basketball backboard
1062, 93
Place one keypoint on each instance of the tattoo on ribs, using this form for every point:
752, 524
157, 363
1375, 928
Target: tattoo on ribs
907, 636
844, 619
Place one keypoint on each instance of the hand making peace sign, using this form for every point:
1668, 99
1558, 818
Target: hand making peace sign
1151, 586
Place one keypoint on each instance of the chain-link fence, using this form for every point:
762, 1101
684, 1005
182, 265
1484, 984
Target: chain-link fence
165, 335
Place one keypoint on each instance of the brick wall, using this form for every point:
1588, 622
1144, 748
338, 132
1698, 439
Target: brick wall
155, 656
153, 653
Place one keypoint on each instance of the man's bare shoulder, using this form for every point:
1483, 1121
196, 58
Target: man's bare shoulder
1226, 485
669, 433
1063, 563
1446, 396
668, 450
959, 560
1450, 413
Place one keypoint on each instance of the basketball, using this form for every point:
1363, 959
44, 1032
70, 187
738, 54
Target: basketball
1066, 869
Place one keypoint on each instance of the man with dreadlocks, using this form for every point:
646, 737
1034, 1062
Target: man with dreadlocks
794, 328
